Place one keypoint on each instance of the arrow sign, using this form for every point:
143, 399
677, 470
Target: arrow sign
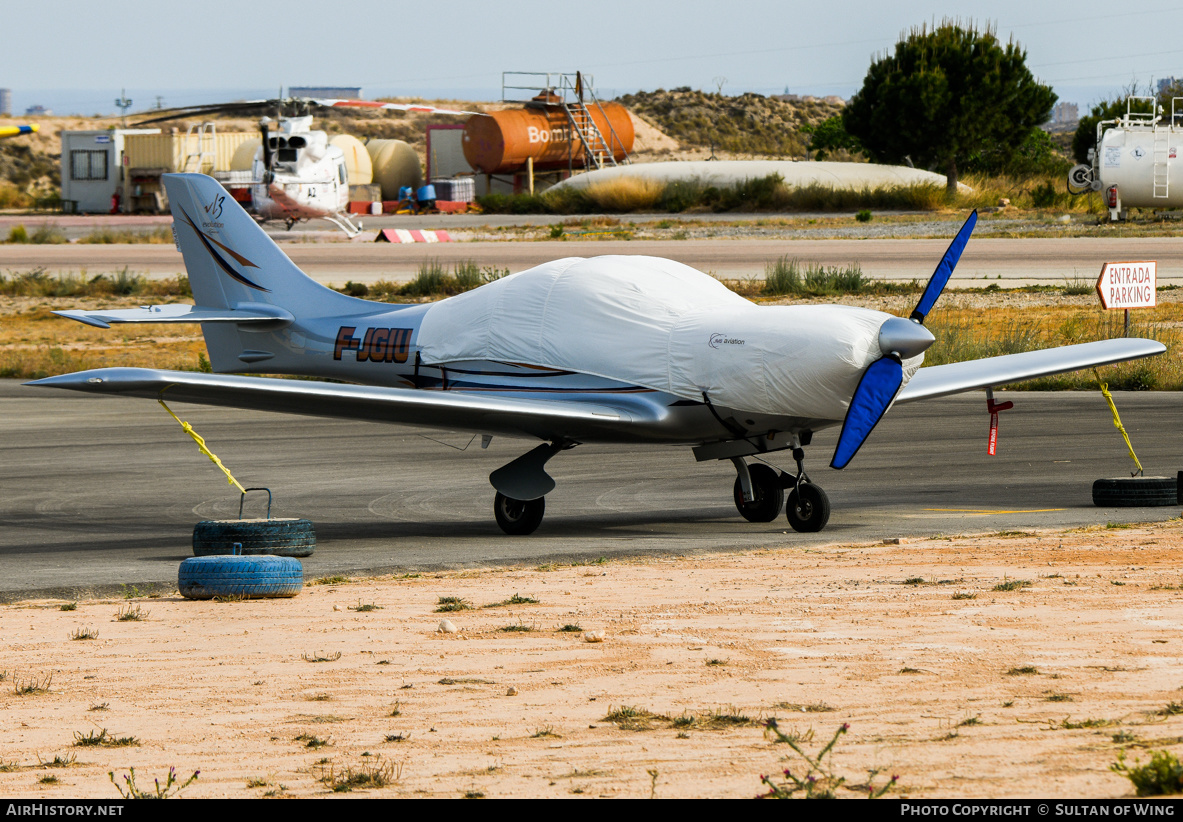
1128, 285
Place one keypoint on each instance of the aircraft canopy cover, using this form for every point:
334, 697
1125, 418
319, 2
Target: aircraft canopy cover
657, 323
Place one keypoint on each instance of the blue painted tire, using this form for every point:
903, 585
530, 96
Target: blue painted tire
270, 537
250, 577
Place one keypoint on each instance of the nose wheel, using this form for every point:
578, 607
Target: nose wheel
807, 507
518, 517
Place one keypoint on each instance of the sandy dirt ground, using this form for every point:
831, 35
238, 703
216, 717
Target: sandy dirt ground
1002, 665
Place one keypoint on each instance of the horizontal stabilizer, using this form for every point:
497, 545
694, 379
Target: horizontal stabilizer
943, 380
254, 313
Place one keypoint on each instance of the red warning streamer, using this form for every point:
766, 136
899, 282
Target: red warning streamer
994, 408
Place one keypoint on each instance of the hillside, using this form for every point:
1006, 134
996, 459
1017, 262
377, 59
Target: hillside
680, 124
749, 125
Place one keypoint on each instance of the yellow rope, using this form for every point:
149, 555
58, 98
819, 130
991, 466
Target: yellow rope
1117, 421
201, 445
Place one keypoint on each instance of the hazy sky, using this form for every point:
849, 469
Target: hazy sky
75, 56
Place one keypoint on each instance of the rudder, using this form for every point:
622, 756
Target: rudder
230, 259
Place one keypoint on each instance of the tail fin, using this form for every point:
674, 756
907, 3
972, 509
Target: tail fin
231, 261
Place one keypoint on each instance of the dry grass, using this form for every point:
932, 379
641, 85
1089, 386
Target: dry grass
35, 343
966, 334
626, 194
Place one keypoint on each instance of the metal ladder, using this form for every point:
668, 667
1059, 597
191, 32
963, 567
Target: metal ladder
597, 149
206, 148
574, 93
1162, 175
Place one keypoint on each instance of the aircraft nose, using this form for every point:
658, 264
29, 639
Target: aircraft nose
904, 337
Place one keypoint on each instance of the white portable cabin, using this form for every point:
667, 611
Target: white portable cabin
92, 168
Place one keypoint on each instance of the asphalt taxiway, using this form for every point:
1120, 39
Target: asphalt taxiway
1047, 261
97, 493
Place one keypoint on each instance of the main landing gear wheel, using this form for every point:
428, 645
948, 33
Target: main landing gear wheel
516, 516
807, 508
770, 495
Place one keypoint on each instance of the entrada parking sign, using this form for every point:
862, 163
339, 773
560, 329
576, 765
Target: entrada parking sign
1128, 285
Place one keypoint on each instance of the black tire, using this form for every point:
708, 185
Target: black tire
1135, 492
807, 508
250, 577
518, 517
270, 537
770, 495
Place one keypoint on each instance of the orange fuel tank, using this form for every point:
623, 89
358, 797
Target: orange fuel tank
500, 142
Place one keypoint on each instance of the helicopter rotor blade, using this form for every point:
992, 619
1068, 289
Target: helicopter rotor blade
181, 112
372, 104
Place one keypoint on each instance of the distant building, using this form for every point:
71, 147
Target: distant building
5, 102
1065, 117
38, 111
1165, 83
326, 92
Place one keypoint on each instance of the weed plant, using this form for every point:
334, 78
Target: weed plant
317, 656
131, 613
33, 685
102, 739
432, 281
111, 236
1162, 775
171, 787
792, 277
37, 282
45, 234
376, 774
819, 780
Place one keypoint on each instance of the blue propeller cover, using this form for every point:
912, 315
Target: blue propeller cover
944, 270
878, 387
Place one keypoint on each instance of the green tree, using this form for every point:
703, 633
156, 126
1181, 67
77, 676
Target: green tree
945, 95
829, 136
1086, 132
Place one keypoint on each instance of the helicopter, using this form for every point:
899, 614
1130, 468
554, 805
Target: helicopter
296, 173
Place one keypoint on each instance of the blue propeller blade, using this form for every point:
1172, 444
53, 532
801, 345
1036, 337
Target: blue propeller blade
940, 277
878, 387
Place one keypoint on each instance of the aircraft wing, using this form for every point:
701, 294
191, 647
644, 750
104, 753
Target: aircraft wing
942, 380
449, 410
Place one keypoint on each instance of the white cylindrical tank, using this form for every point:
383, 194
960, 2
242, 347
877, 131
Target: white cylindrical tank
358, 164
244, 155
1142, 162
395, 165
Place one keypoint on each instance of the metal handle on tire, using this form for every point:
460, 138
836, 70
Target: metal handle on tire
242, 499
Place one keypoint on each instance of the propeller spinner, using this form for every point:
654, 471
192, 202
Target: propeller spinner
899, 339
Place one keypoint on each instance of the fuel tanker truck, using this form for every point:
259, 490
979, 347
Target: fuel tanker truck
1136, 160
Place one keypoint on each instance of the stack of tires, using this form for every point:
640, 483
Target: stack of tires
248, 558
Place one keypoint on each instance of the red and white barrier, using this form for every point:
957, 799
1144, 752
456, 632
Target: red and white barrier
414, 235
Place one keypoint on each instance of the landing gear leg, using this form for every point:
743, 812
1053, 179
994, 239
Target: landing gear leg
516, 516
764, 495
807, 507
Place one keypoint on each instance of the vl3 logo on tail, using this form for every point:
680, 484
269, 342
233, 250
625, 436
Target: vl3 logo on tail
214, 209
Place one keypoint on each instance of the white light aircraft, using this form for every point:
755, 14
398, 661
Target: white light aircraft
613, 349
